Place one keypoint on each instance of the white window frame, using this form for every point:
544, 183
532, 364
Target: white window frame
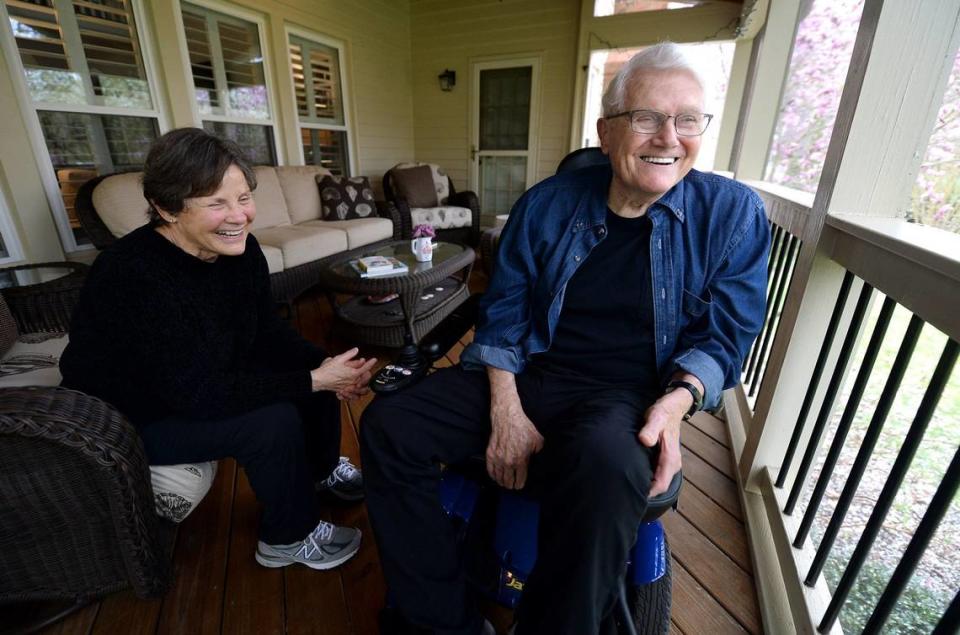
29, 109
347, 104
265, 52
11, 238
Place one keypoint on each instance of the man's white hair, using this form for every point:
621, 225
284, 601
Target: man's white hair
665, 56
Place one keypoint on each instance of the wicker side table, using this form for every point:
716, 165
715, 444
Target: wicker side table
428, 292
45, 306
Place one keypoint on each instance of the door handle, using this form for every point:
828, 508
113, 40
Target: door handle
473, 152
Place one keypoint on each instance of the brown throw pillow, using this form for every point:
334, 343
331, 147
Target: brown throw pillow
344, 198
416, 186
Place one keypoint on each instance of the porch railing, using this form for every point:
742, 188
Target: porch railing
830, 291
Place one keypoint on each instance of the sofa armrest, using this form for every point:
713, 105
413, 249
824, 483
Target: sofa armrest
386, 209
71, 462
469, 199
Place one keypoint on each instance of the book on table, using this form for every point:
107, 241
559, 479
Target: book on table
374, 266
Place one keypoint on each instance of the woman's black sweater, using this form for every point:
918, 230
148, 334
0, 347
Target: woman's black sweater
158, 332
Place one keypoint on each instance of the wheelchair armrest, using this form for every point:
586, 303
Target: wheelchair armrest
660, 503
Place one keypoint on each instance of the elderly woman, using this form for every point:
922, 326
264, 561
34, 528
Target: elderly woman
176, 327
624, 299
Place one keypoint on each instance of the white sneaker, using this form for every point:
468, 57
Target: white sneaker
326, 547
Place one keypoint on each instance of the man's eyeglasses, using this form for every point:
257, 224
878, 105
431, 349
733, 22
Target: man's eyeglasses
689, 124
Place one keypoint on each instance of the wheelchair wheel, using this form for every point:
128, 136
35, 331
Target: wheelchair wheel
649, 605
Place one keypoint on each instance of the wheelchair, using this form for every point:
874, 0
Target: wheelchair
497, 528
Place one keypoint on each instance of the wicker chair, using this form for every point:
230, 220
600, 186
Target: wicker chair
448, 199
78, 517
582, 158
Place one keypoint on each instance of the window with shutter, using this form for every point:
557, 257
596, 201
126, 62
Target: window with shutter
229, 81
85, 74
318, 90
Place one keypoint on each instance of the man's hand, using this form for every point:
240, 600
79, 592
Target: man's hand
513, 437
662, 425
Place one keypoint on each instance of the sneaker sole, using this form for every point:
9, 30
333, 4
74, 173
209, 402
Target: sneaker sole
275, 563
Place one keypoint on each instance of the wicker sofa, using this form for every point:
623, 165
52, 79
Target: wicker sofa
289, 226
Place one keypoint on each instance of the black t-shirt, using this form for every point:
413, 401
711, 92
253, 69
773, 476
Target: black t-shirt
606, 327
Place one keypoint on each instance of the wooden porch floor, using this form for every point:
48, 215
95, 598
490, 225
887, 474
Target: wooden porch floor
219, 588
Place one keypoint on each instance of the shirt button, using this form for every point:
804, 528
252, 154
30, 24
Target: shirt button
577, 258
601, 231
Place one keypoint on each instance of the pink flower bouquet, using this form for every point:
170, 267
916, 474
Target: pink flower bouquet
424, 231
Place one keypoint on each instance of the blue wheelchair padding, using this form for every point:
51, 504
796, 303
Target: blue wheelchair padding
458, 494
515, 537
515, 540
648, 558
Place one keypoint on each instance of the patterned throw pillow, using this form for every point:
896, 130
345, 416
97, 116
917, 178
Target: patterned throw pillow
343, 198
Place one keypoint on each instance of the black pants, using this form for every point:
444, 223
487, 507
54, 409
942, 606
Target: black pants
592, 479
283, 447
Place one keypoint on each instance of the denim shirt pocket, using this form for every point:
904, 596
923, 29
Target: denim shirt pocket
694, 305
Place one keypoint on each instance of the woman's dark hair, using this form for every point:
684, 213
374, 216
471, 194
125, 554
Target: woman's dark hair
186, 163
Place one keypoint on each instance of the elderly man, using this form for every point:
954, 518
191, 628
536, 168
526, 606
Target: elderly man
625, 298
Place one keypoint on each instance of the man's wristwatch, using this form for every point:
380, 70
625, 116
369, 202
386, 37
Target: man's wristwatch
694, 392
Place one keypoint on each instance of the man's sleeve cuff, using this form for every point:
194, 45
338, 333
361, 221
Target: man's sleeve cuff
707, 370
478, 356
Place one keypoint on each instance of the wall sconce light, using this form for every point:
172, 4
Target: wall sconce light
448, 79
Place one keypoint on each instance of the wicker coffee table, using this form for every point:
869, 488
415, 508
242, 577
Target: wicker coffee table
428, 292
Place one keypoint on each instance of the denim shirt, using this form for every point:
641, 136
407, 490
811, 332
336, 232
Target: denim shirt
708, 263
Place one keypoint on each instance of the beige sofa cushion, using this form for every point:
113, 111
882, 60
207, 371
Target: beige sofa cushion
274, 258
119, 202
299, 184
301, 244
360, 231
271, 205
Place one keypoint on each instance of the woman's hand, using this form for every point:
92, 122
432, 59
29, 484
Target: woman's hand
345, 374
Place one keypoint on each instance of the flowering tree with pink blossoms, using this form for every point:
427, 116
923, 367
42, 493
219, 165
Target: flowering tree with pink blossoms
808, 109
811, 96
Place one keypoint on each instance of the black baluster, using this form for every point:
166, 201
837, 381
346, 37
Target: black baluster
836, 380
884, 404
815, 377
939, 504
853, 403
